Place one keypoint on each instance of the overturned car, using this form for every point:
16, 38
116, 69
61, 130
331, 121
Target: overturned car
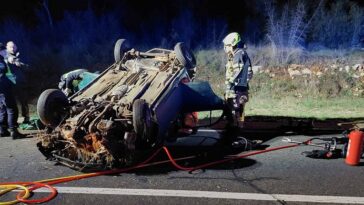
130, 109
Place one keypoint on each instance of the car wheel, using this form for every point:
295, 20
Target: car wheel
121, 46
142, 120
184, 55
51, 107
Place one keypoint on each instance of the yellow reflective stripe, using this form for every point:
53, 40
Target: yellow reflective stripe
238, 65
227, 82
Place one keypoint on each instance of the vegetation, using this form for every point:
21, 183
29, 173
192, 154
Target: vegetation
299, 32
333, 94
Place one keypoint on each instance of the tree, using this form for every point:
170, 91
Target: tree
285, 32
44, 4
338, 26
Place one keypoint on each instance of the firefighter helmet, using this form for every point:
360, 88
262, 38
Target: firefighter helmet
232, 39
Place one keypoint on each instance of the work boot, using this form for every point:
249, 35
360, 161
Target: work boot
16, 135
4, 132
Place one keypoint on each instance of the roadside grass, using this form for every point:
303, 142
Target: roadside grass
319, 108
333, 95
343, 107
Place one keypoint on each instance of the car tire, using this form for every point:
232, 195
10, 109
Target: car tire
121, 46
141, 120
184, 55
51, 107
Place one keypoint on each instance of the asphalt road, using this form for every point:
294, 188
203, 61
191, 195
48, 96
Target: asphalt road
279, 177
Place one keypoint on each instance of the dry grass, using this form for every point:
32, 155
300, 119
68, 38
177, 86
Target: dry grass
343, 107
330, 96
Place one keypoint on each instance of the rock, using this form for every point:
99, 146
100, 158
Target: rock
357, 67
256, 68
355, 76
319, 74
306, 71
334, 66
299, 95
294, 73
295, 66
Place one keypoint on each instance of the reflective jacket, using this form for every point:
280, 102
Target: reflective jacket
237, 70
15, 73
5, 83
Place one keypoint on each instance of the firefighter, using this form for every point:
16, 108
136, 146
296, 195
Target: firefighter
8, 108
17, 74
12, 55
238, 73
70, 81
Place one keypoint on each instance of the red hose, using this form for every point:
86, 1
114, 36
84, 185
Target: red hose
51, 196
38, 185
72, 178
140, 165
223, 160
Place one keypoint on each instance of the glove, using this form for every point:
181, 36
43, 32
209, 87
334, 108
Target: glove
11, 59
67, 92
17, 63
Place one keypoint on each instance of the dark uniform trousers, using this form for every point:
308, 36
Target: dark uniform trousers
8, 108
18, 76
8, 112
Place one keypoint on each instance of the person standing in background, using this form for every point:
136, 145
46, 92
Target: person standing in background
8, 108
17, 74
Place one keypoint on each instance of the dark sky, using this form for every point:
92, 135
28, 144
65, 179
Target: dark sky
135, 10
135, 16
232, 11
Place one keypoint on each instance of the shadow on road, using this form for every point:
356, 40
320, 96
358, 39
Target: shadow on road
200, 158
280, 125
261, 128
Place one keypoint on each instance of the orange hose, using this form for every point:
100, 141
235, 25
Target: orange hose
223, 160
51, 196
48, 182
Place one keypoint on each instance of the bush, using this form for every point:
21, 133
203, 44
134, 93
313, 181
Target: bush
211, 67
85, 39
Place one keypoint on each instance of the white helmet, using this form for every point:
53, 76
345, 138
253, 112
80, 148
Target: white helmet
232, 39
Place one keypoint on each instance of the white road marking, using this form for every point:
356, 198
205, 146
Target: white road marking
209, 130
209, 194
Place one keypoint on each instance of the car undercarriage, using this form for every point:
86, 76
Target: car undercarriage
126, 112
